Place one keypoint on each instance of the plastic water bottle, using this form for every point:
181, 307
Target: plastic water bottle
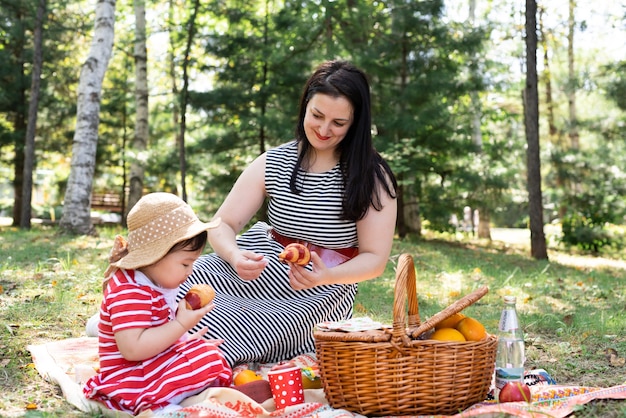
510, 355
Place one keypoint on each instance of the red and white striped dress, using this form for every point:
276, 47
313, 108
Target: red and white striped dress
185, 368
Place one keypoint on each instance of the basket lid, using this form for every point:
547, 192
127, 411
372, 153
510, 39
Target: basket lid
370, 336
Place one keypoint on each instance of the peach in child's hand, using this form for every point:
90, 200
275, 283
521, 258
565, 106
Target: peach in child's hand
199, 296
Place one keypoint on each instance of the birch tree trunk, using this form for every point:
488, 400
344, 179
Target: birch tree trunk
31, 128
140, 141
76, 217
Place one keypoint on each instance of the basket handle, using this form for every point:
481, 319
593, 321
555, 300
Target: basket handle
457, 306
405, 285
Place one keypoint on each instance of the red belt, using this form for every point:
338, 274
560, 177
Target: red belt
330, 257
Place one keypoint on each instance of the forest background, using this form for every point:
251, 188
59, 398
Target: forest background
194, 90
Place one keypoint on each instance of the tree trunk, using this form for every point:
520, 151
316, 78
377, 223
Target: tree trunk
76, 217
174, 78
19, 125
400, 222
31, 128
412, 218
477, 138
184, 97
572, 83
553, 133
18, 172
547, 78
408, 203
484, 229
531, 118
484, 221
140, 141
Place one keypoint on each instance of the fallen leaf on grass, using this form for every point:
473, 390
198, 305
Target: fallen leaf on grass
617, 361
359, 308
31, 406
568, 320
6, 287
614, 359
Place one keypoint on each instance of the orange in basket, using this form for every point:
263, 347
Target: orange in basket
447, 334
451, 321
472, 329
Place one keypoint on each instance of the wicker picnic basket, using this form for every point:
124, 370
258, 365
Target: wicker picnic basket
392, 372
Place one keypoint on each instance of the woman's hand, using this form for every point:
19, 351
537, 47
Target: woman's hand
375, 239
249, 265
301, 278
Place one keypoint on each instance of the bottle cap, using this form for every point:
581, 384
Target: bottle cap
510, 299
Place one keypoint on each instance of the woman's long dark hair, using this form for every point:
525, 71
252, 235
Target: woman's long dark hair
361, 165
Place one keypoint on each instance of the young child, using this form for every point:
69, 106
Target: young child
147, 359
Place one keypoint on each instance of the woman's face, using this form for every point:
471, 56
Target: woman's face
327, 120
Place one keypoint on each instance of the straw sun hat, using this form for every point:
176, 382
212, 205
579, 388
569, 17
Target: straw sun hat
156, 223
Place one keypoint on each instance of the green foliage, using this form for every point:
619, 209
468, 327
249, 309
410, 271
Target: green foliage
593, 186
417, 65
430, 77
63, 35
584, 233
14, 80
616, 83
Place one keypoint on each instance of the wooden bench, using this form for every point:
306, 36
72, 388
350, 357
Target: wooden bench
109, 202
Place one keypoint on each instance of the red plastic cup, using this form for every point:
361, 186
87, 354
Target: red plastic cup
286, 385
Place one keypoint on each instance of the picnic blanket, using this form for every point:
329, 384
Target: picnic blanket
70, 362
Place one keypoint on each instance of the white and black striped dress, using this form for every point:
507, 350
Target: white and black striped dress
265, 320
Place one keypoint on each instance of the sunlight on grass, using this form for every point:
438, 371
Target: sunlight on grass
572, 314
50, 285
565, 311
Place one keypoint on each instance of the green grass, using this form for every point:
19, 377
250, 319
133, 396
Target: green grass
573, 314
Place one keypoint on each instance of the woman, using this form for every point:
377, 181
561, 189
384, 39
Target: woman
329, 189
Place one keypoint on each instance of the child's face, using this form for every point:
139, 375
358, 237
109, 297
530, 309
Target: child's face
173, 269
